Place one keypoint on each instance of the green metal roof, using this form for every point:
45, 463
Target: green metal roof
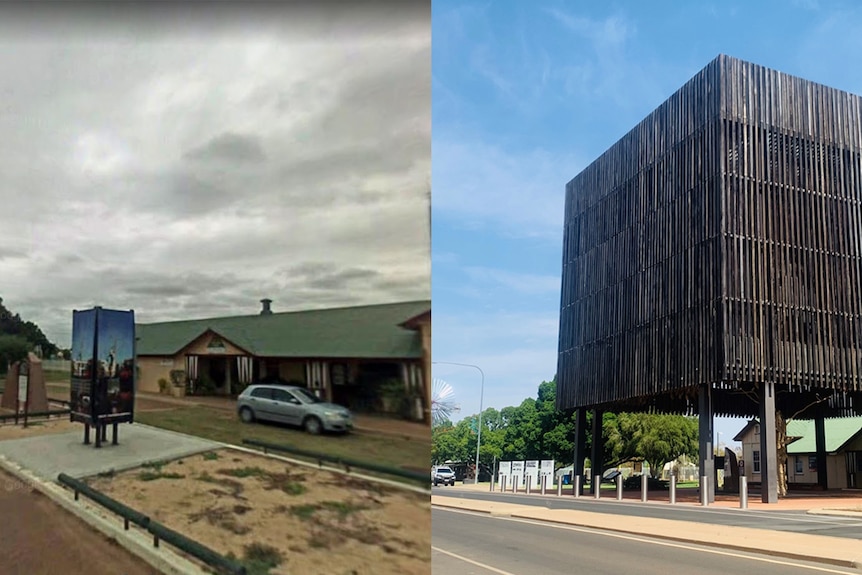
838, 432
370, 331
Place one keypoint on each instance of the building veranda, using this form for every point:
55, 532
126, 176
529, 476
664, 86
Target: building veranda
373, 358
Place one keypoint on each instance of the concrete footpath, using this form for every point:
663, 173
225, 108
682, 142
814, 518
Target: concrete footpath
799, 546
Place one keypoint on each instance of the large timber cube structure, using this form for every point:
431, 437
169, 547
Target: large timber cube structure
719, 244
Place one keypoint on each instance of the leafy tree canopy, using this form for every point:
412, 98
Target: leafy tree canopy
12, 324
535, 429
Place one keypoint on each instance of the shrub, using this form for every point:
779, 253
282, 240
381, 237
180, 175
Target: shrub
163, 385
633, 482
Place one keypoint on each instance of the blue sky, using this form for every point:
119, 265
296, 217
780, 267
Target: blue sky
527, 94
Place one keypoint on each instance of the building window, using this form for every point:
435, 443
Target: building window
756, 457
798, 465
812, 463
757, 431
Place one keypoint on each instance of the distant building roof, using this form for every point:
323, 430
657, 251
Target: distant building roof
370, 331
839, 431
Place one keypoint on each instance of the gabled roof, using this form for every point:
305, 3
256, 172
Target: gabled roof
838, 432
371, 331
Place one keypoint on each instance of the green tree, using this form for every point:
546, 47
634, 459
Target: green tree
12, 348
653, 438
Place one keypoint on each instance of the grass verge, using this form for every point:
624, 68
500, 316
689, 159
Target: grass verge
225, 427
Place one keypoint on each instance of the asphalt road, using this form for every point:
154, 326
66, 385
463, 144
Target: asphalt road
478, 544
791, 521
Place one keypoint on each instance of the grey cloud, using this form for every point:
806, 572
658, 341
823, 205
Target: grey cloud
228, 146
173, 165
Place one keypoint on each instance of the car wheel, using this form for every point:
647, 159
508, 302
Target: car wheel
246, 415
312, 425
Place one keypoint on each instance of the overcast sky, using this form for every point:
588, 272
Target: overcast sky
187, 162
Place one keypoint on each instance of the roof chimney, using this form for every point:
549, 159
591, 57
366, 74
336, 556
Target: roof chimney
266, 310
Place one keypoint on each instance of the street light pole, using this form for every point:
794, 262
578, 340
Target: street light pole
481, 400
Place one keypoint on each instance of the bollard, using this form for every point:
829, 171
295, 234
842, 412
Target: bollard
515, 481
576, 490
560, 487
529, 477
644, 488
597, 489
544, 482
620, 487
673, 489
704, 490
492, 483
743, 492
503, 484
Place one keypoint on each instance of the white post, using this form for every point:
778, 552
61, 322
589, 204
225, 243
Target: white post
704, 490
529, 477
577, 486
620, 487
644, 488
743, 492
559, 487
544, 480
673, 488
597, 482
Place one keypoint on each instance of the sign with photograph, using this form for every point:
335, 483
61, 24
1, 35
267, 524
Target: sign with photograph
103, 365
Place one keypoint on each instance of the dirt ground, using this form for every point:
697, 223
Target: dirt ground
60, 424
318, 521
44, 539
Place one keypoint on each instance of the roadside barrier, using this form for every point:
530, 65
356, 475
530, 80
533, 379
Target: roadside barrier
34, 414
157, 530
348, 464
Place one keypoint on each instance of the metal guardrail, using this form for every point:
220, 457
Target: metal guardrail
422, 478
34, 414
157, 530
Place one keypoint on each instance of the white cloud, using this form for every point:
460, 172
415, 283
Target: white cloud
514, 282
522, 193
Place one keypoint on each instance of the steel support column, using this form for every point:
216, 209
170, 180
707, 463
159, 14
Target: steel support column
580, 447
768, 449
820, 446
598, 450
705, 434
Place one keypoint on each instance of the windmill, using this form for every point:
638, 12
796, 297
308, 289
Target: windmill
442, 406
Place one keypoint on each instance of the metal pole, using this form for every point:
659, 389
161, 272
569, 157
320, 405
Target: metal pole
597, 486
515, 484
560, 487
673, 489
743, 492
644, 487
704, 490
620, 487
576, 491
529, 482
544, 481
503, 484
492, 482
481, 400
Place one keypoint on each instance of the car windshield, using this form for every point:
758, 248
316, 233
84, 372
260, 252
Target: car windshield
444, 470
306, 396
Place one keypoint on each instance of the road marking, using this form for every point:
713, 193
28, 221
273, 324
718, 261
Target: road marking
476, 563
657, 541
